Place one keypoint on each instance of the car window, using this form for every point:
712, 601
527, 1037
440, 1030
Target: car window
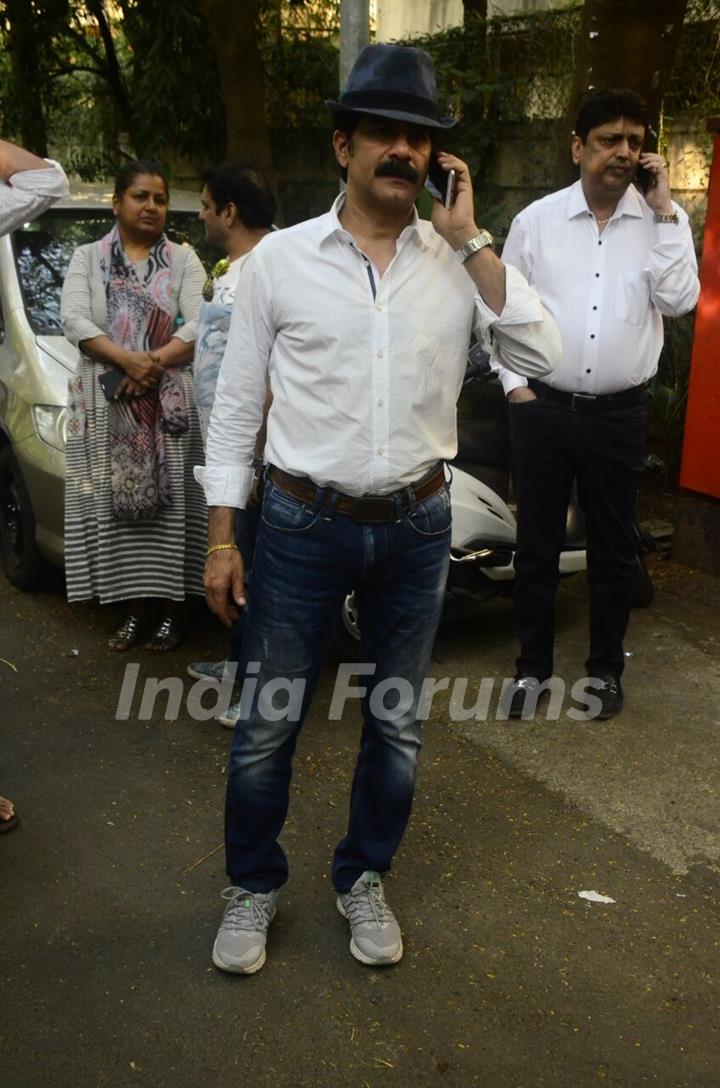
43, 250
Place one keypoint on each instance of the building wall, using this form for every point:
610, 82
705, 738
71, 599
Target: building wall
403, 18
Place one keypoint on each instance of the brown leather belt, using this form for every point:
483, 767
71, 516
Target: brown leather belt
371, 509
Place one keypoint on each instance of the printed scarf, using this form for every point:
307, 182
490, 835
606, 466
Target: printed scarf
140, 318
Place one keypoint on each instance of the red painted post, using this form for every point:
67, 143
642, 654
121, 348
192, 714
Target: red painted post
701, 448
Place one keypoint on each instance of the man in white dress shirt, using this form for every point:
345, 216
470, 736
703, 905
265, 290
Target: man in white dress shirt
359, 321
28, 185
608, 261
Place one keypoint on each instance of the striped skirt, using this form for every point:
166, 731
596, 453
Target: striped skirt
114, 560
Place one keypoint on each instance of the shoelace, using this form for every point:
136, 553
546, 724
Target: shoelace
246, 910
368, 905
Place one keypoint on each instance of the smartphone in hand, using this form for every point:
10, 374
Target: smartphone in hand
643, 178
111, 381
440, 183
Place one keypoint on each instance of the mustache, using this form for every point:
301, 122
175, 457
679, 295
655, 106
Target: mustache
396, 169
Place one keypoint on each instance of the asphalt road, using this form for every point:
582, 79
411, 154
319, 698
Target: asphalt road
510, 979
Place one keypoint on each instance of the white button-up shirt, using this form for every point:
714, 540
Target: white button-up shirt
364, 371
28, 193
606, 291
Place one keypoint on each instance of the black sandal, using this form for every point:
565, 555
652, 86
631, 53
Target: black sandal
168, 634
127, 635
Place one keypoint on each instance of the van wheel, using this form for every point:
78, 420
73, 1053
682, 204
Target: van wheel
21, 560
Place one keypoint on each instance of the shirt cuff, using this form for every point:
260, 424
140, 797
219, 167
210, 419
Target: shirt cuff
511, 381
225, 485
671, 232
522, 303
52, 182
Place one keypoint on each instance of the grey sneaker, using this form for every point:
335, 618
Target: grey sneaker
209, 670
240, 944
229, 717
375, 935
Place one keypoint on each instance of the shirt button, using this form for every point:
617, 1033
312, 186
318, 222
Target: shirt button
597, 275
378, 306
594, 307
381, 403
380, 354
599, 243
381, 451
592, 335
588, 371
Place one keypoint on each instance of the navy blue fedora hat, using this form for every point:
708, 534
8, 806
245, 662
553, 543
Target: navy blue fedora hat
393, 81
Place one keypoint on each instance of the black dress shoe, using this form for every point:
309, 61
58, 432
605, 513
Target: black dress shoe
520, 699
610, 694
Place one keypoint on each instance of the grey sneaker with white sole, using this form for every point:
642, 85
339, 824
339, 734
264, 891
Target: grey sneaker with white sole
375, 937
211, 670
240, 943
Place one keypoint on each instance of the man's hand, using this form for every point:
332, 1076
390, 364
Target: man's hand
523, 392
224, 582
658, 196
456, 224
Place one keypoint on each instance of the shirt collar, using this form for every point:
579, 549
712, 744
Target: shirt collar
629, 203
332, 227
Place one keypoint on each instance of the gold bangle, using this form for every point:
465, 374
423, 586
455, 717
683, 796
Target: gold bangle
222, 548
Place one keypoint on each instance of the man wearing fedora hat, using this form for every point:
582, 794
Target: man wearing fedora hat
359, 322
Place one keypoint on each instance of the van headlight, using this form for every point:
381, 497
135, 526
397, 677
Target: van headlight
51, 424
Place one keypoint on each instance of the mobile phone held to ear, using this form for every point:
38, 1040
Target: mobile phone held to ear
440, 183
111, 381
643, 178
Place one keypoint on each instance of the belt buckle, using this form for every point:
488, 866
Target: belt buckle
585, 402
371, 510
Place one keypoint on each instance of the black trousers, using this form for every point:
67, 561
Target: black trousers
551, 447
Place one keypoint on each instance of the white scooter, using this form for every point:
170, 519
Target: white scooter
482, 547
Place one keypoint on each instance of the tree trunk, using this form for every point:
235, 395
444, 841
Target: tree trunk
626, 44
233, 32
474, 9
112, 66
22, 44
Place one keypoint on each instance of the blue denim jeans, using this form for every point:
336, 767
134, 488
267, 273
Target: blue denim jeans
307, 558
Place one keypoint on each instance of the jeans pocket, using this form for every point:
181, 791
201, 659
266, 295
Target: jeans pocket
286, 513
433, 516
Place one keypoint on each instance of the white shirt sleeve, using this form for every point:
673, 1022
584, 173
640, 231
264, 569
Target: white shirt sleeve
517, 257
190, 299
28, 193
674, 283
237, 412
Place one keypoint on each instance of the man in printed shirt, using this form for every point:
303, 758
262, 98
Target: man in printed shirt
237, 210
608, 262
28, 185
360, 322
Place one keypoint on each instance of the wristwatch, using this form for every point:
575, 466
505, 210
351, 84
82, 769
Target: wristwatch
672, 217
474, 245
